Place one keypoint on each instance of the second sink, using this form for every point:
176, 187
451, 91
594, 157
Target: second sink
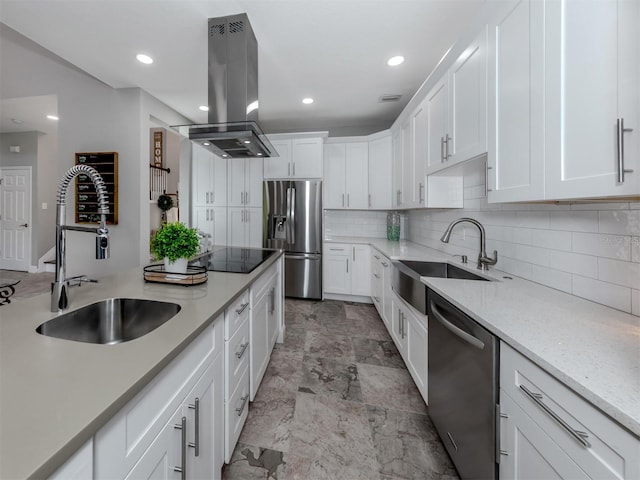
110, 321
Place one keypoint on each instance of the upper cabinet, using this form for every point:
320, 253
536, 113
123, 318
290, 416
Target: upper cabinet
209, 178
299, 157
456, 110
515, 162
380, 173
346, 168
592, 130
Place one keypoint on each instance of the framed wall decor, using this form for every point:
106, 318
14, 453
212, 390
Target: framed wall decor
106, 163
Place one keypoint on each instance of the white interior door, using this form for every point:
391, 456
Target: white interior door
15, 218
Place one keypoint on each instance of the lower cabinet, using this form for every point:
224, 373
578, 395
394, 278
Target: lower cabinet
78, 467
381, 285
347, 269
548, 431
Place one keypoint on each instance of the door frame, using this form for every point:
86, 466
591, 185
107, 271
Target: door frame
30, 268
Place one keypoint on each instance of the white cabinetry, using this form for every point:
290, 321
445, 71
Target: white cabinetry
457, 109
548, 431
346, 177
396, 141
380, 173
300, 157
141, 441
236, 392
244, 224
347, 269
592, 57
516, 104
418, 155
209, 178
79, 466
212, 221
244, 227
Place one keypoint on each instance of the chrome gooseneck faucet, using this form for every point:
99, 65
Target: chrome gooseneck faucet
59, 296
483, 260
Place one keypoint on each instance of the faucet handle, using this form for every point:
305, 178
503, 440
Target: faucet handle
484, 261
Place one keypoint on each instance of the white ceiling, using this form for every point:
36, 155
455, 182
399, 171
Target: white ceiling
332, 50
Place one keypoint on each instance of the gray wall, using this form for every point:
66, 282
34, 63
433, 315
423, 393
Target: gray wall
93, 117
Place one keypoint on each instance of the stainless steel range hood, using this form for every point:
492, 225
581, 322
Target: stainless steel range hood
232, 131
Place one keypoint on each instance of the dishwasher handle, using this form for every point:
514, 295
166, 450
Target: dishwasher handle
477, 343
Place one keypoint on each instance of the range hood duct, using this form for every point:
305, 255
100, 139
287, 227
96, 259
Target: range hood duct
232, 131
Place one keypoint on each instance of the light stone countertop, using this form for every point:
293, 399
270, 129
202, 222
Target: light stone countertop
55, 394
591, 348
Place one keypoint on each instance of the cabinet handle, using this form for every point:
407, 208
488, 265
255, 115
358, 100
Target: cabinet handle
486, 179
343, 199
400, 322
353, 253
243, 399
242, 308
289, 169
442, 157
241, 198
620, 130
206, 196
337, 249
347, 265
385, 264
446, 147
196, 433
348, 200
369, 200
246, 198
294, 169
376, 257
421, 193
376, 275
243, 348
576, 434
272, 294
183, 453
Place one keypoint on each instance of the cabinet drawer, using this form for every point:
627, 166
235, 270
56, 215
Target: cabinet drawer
599, 445
236, 411
237, 356
122, 441
235, 314
337, 249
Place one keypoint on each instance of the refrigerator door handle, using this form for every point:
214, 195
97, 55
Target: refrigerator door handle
292, 215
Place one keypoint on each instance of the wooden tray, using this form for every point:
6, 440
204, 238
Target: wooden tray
157, 274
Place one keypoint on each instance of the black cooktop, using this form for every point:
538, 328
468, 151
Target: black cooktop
233, 259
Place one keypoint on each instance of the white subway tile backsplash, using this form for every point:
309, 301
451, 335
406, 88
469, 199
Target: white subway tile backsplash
626, 274
635, 302
635, 249
602, 245
620, 222
574, 221
608, 294
585, 265
551, 278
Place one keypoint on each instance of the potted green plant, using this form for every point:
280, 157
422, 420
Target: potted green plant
175, 243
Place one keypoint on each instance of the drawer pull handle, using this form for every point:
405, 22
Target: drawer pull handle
182, 469
376, 275
576, 434
376, 257
242, 308
240, 409
196, 440
243, 348
385, 264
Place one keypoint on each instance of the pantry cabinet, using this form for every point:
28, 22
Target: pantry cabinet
347, 269
515, 163
346, 173
548, 431
592, 85
299, 157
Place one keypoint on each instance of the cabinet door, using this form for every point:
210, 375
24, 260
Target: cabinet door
361, 270
279, 167
235, 194
274, 312
218, 229
336, 276
201, 220
380, 173
387, 293
218, 196
406, 197
437, 125
376, 281
236, 410
516, 105
334, 178
259, 340
253, 227
419, 155
468, 87
397, 169
416, 333
209, 393
306, 156
163, 455
356, 174
253, 172
529, 452
79, 466
591, 72
397, 324
236, 227
202, 175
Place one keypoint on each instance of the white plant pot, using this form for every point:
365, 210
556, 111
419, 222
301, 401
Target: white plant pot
179, 266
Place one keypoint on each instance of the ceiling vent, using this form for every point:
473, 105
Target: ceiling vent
393, 97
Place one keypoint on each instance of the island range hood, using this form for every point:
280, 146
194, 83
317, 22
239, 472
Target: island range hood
232, 131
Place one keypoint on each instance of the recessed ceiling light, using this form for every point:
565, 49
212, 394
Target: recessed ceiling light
394, 61
204, 108
307, 101
224, 155
206, 144
247, 141
52, 117
146, 59
259, 154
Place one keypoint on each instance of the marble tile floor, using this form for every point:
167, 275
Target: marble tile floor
337, 403
30, 283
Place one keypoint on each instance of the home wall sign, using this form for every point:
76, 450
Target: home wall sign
158, 154
106, 163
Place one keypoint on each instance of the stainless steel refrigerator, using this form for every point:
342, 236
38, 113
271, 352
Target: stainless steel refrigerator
293, 222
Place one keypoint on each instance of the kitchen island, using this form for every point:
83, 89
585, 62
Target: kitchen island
56, 394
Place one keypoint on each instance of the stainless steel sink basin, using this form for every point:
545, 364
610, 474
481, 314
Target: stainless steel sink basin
114, 320
406, 279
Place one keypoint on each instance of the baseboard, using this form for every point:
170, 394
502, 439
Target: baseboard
348, 298
33, 269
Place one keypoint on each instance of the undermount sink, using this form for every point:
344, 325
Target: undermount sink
406, 279
110, 321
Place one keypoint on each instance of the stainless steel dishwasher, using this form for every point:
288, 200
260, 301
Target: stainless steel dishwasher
463, 388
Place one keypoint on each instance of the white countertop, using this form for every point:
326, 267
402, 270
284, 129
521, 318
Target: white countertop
55, 394
593, 349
